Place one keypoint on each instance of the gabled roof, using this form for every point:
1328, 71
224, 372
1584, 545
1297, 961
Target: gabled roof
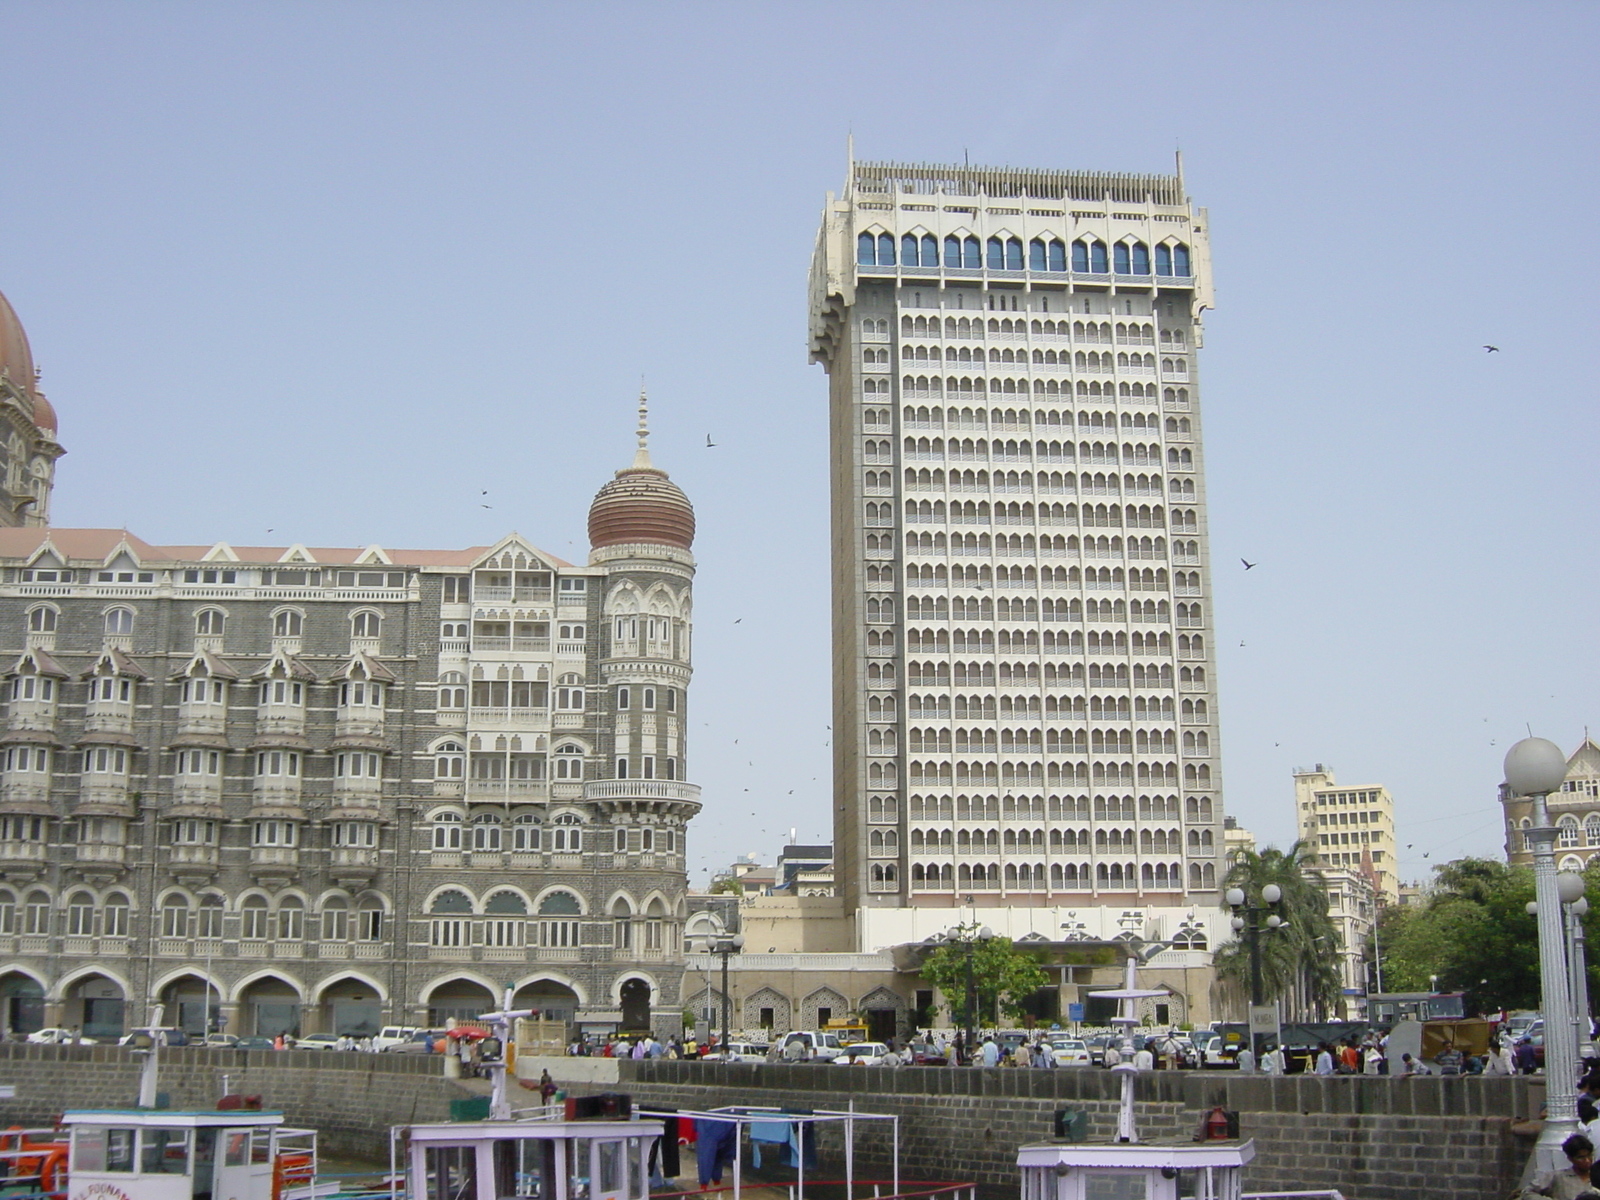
1585, 760
41, 662
286, 664
213, 665
119, 663
361, 666
24, 543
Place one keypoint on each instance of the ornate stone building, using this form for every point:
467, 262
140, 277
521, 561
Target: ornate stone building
297, 788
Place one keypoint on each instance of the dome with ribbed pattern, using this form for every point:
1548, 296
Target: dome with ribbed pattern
641, 504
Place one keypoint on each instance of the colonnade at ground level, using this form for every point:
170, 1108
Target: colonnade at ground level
100, 1005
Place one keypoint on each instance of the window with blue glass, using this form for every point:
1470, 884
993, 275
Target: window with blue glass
1058, 256
1120, 257
1163, 260
1180, 259
1036, 255
1141, 259
1097, 259
970, 254
1013, 254
867, 250
952, 251
885, 250
908, 250
930, 250
997, 255
1080, 256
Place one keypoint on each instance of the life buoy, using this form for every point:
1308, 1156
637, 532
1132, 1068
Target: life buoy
290, 1170
53, 1169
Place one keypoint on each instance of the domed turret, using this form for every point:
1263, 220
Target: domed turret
641, 504
16, 359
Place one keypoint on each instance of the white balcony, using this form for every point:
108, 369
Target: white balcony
641, 789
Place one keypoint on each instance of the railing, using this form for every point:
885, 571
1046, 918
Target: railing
634, 789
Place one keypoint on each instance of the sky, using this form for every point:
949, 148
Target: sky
335, 270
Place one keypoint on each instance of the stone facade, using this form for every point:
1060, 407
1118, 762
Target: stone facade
290, 788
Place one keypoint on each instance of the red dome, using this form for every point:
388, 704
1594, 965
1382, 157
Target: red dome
641, 505
44, 413
15, 357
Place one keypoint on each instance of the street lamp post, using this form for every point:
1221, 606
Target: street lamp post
968, 938
1576, 911
1247, 919
724, 945
1534, 768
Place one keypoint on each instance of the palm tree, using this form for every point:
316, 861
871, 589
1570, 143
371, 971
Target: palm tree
1299, 959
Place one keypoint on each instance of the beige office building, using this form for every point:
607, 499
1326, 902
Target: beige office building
1349, 827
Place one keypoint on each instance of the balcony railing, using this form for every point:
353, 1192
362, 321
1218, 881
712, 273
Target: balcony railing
645, 789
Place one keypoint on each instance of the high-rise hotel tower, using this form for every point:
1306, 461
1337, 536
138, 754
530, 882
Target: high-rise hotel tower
1025, 705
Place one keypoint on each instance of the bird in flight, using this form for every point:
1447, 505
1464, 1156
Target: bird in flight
1247, 564
485, 506
1492, 349
709, 442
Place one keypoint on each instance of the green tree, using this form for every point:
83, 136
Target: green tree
1003, 975
1299, 960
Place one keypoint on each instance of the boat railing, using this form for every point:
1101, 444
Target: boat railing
34, 1155
882, 1189
1323, 1194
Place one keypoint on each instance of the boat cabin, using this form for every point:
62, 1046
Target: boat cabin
154, 1154
528, 1160
1134, 1170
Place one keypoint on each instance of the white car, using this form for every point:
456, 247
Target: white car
59, 1037
745, 1052
862, 1054
1071, 1052
391, 1036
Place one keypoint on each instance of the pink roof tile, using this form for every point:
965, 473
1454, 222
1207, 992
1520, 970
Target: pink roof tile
96, 544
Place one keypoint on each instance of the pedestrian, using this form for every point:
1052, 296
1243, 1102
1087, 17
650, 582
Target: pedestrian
1272, 1061
1143, 1059
1324, 1060
990, 1055
1526, 1061
1372, 1063
1349, 1059
1572, 1182
547, 1086
1449, 1059
1246, 1060
1113, 1054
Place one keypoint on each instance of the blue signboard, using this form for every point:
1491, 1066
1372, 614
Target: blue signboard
1074, 1012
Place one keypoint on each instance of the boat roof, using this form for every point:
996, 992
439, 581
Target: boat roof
1160, 1153
171, 1116
497, 1131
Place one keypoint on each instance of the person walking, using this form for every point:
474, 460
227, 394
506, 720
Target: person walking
990, 1055
1272, 1061
1324, 1060
1246, 1060
1574, 1181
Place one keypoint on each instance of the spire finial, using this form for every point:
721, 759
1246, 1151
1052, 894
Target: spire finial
641, 457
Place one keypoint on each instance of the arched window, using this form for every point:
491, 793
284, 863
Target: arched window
335, 919
558, 925
119, 621
291, 919
447, 927
486, 833
366, 625
80, 915
866, 250
569, 761
569, 692
1097, 259
1163, 260
447, 831
209, 622
449, 761
287, 623
117, 911
1591, 829
1141, 259
1080, 257
42, 619
452, 690
369, 919
885, 250
525, 834
997, 254
1180, 260
566, 834
175, 917
1568, 828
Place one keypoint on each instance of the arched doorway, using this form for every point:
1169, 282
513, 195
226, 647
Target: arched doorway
352, 1007
96, 1006
460, 1000
191, 1005
23, 1001
551, 1000
269, 1007
635, 997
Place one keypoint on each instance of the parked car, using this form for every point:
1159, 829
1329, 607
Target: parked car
221, 1041
815, 1047
165, 1036
746, 1052
862, 1054
422, 1041
1097, 1048
254, 1043
391, 1036
927, 1054
1071, 1052
318, 1041
59, 1037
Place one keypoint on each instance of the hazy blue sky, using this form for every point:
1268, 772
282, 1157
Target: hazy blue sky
336, 268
